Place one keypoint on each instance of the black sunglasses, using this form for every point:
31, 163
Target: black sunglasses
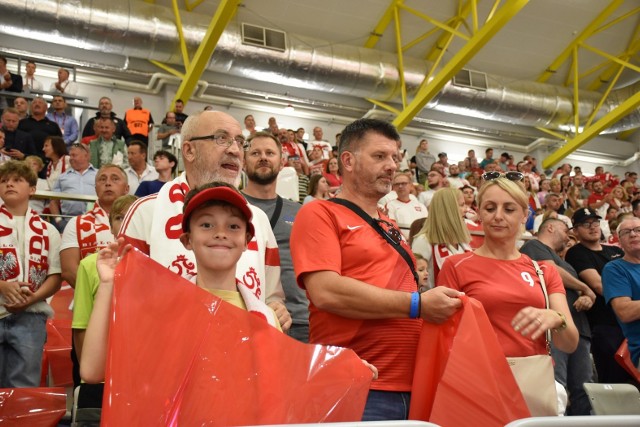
511, 176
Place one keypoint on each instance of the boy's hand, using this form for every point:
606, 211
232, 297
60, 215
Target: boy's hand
28, 299
109, 257
12, 293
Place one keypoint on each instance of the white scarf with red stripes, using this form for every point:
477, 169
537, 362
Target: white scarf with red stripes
29, 264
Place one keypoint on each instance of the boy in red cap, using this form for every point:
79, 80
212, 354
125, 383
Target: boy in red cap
217, 227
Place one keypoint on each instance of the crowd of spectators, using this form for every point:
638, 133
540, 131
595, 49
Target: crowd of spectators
435, 209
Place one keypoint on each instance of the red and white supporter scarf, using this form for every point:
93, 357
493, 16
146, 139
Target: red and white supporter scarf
93, 231
166, 248
31, 266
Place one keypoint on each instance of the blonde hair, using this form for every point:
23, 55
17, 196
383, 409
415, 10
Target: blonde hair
512, 188
444, 225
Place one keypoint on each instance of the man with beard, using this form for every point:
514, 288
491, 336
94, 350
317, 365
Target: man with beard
435, 181
263, 163
104, 112
213, 150
589, 258
359, 274
454, 177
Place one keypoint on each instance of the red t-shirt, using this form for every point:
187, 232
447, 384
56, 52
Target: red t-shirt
595, 198
330, 237
504, 287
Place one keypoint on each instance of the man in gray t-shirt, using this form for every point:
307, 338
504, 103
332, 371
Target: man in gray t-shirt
571, 370
263, 162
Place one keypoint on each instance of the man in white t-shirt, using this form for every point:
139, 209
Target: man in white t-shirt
435, 181
63, 85
318, 141
90, 232
213, 150
404, 210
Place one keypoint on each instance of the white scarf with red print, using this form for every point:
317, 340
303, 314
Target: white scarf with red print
32, 266
166, 228
93, 231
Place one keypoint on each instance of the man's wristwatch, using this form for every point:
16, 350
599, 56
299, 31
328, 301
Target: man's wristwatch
563, 325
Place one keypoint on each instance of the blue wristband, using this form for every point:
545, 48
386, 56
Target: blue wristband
414, 311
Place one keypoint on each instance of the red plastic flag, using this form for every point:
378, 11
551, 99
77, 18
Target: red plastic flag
180, 356
462, 377
33, 407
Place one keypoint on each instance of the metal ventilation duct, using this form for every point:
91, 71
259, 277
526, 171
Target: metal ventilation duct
142, 30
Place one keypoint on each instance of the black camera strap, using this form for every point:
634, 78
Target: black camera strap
369, 220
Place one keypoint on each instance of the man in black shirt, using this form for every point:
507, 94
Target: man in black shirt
104, 112
589, 258
17, 144
39, 126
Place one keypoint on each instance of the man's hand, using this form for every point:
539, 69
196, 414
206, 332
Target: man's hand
439, 303
284, 318
14, 154
583, 303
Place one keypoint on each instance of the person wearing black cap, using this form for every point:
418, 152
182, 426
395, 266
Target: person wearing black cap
589, 258
444, 161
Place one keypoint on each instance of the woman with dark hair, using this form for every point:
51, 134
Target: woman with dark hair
55, 150
318, 189
332, 176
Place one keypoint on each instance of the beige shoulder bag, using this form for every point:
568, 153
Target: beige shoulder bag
534, 374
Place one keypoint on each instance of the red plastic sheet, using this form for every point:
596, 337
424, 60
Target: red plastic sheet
623, 357
462, 377
180, 356
33, 407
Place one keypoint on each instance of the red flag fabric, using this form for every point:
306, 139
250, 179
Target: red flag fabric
180, 356
623, 357
33, 407
462, 377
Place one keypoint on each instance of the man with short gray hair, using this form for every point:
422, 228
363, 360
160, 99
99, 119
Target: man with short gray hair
621, 283
213, 150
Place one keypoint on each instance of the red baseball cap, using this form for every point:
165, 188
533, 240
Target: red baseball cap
222, 193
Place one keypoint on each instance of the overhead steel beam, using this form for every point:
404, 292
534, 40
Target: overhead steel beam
477, 41
585, 34
613, 68
384, 22
446, 37
591, 132
226, 10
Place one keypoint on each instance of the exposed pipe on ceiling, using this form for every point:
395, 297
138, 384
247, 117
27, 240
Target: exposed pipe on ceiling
142, 30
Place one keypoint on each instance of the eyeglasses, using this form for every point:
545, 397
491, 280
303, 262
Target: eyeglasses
627, 232
590, 224
83, 147
511, 176
224, 140
390, 230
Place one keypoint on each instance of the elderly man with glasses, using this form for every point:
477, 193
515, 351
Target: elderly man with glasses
213, 150
589, 258
621, 280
